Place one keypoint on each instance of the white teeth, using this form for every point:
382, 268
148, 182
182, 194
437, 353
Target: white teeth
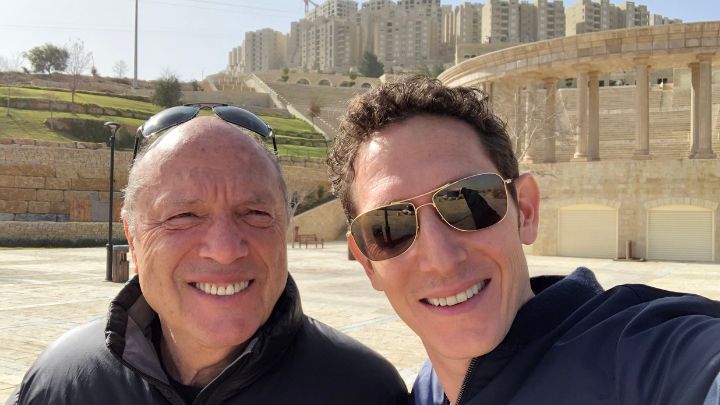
458, 298
214, 289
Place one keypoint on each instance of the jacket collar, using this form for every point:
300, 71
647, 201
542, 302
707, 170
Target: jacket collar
556, 298
128, 335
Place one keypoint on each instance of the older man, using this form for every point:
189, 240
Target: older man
213, 316
439, 213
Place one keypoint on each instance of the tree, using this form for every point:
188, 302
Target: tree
524, 112
370, 66
285, 75
167, 90
12, 64
48, 58
119, 68
314, 109
78, 62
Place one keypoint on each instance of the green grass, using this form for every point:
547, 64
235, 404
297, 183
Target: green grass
289, 125
102, 101
29, 124
306, 152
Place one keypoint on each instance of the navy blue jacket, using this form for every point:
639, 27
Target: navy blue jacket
575, 344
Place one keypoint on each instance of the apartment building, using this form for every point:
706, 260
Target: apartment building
467, 23
550, 19
635, 15
326, 40
263, 50
407, 34
589, 16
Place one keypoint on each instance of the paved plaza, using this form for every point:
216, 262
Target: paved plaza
45, 292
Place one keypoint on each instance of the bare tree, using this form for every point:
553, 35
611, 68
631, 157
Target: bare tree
314, 109
12, 64
80, 60
120, 68
523, 109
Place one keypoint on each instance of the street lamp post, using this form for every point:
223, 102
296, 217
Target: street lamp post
114, 126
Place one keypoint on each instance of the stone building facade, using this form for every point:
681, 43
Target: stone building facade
636, 163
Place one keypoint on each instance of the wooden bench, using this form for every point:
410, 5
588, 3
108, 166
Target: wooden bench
306, 239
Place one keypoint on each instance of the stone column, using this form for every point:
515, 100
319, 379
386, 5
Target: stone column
642, 110
594, 117
519, 125
704, 110
489, 87
694, 112
550, 119
581, 129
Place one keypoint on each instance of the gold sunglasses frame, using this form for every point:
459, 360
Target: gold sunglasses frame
433, 192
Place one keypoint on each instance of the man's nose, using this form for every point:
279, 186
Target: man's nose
223, 242
440, 248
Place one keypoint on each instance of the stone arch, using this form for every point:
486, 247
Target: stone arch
303, 81
366, 85
324, 82
345, 83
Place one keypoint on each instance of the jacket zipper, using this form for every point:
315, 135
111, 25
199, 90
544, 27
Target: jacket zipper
466, 380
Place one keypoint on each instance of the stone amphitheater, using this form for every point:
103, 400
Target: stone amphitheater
627, 171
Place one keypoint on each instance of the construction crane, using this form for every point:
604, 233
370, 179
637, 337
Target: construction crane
307, 5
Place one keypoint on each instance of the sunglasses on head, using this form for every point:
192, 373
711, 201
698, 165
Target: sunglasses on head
175, 116
468, 204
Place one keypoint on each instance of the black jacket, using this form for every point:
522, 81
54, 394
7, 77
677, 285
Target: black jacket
575, 344
291, 359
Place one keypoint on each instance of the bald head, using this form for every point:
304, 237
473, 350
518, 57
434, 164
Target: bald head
206, 141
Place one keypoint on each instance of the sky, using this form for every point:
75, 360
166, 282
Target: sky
190, 38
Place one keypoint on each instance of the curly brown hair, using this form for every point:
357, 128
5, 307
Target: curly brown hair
393, 102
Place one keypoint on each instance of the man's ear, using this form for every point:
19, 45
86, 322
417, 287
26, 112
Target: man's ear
528, 205
131, 243
375, 280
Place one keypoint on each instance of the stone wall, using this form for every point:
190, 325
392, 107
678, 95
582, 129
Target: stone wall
631, 186
327, 221
48, 189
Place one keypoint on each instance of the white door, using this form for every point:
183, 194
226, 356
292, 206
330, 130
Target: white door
680, 232
587, 230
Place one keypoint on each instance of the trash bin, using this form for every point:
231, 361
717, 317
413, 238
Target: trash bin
120, 264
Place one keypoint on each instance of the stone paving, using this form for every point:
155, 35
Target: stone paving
45, 292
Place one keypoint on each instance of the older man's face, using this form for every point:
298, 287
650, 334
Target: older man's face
209, 244
408, 159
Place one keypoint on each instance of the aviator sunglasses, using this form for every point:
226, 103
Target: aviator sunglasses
469, 204
175, 116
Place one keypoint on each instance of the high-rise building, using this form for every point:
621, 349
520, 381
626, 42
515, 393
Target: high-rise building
550, 19
589, 16
657, 19
468, 23
235, 65
403, 35
263, 50
635, 15
501, 21
326, 39
408, 34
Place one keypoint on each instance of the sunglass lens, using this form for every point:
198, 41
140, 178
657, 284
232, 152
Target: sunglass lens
168, 118
385, 232
474, 203
243, 118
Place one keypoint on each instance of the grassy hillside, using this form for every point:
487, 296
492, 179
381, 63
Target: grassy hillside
30, 124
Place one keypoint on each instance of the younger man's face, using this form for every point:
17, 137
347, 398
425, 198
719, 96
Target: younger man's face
410, 158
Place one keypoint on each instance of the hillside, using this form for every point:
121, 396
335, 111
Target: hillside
27, 111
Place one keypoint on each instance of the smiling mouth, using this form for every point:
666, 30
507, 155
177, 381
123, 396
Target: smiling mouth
222, 289
458, 298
